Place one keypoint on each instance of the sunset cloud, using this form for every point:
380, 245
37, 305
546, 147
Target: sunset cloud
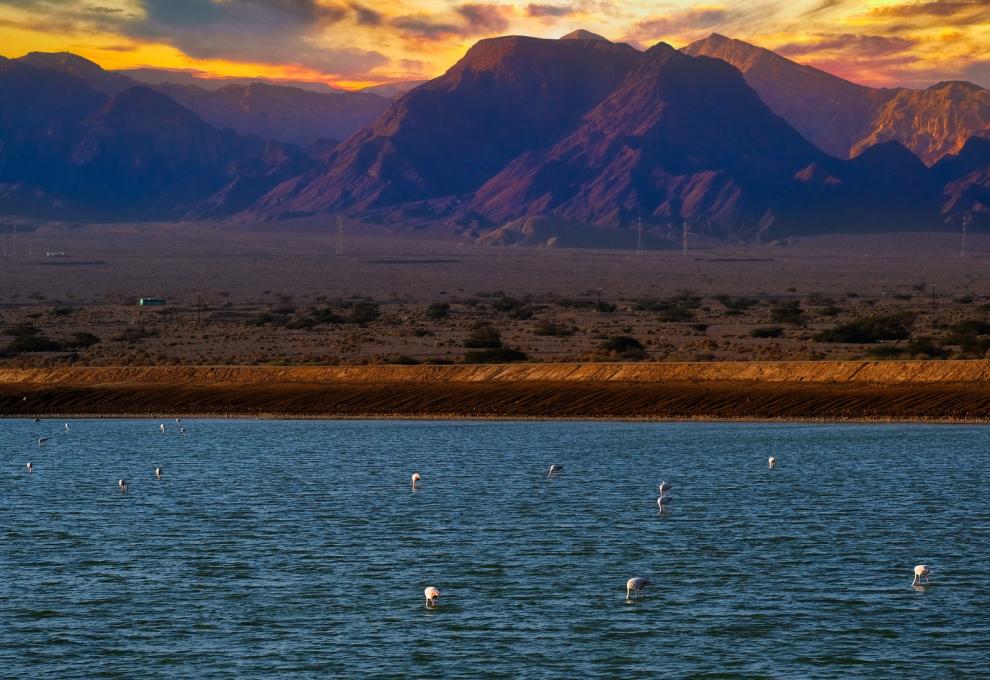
355, 42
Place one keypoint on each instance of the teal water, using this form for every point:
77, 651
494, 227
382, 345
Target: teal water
287, 548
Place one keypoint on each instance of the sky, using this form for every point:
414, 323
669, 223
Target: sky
352, 44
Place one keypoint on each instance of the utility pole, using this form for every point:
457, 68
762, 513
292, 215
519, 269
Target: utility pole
684, 244
933, 296
639, 235
199, 295
340, 235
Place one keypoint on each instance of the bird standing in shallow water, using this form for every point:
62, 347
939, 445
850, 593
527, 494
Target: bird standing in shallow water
30, 467
635, 586
122, 485
432, 594
66, 427
42, 441
920, 571
555, 470
415, 480
771, 462
158, 473
161, 428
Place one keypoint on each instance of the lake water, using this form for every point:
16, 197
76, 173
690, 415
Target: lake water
277, 548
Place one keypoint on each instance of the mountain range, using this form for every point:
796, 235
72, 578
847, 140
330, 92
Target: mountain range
521, 137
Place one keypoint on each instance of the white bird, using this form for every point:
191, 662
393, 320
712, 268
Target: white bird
771, 462
664, 488
158, 473
662, 502
36, 420
178, 420
182, 431
415, 480
161, 428
66, 427
122, 485
555, 470
30, 467
42, 441
432, 594
921, 570
635, 586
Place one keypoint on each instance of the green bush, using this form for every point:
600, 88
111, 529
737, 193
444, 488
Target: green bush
499, 355
767, 332
871, 329
438, 311
788, 311
623, 347
734, 306
364, 312
483, 336
554, 329
82, 340
33, 343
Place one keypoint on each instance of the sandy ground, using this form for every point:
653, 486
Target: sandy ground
222, 281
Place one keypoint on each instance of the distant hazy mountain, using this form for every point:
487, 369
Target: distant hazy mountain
276, 112
68, 151
844, 118
393, 90
157, 76
286, 114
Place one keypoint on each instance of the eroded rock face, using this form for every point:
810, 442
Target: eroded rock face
843, 118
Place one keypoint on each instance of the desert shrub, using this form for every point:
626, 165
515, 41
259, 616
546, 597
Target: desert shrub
926, 347
787, 311
963, 299
700, 327
970, 335
734, 306
483, 336
301, 323
326, 315
496, 355
81, 339
581, 303
363, 312
402, 360
27, 338
63, 311
554, 329
134, 334
267, 318
512, 307
422, 333
830, 310
623, 347
438, 311
767, 332
885, 352
605, 307
871, 329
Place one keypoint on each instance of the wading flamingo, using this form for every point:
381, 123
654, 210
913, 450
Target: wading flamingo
555, 470
30, 467
415, 480
158, 473
920, 571
432, 594
636, 585
42, 441
771, 462
122, 485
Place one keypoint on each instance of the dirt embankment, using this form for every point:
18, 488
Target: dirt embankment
925, 390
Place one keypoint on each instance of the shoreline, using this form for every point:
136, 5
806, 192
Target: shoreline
956, 392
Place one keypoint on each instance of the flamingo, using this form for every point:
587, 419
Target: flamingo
158, 473
42, 441
415, 480
432, 593
122, 485
30, 467
161, 428
635, 586
182, 431
662, 503
771, 462
922, 570
178, 420
555, 470
66, 427
664, 488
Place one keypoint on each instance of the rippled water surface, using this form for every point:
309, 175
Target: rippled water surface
298, 548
